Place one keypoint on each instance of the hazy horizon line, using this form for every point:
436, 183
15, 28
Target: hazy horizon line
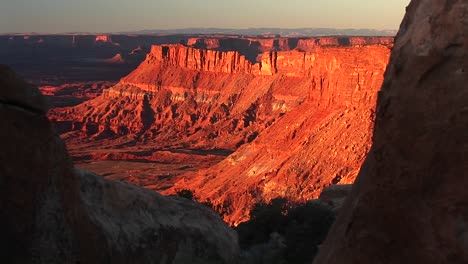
168, 30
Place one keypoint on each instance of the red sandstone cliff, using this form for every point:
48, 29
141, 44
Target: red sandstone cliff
320, 142
305, 151
253, 48
182, 96
317, 108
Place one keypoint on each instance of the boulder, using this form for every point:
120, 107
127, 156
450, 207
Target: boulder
53, 213
335, 195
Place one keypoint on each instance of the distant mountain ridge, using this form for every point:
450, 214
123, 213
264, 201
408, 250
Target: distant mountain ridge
283, 32
267, 32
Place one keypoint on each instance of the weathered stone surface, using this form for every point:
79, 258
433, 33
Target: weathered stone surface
33, 167
23, 96
409, 203
51, 213
296, 157
198, 59
252, 46
335, 195
319, 104
184, 96
141, 226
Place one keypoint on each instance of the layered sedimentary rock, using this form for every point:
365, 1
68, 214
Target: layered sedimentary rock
264, 44
252, 48
320, 104
184, 96
196, 59
305, 151
73, 58
409, 203
52, 213
307, 115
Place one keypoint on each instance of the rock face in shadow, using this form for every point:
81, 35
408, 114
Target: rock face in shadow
409, 203
52, 213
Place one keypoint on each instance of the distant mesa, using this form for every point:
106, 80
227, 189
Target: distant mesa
103, 38
117, 59
136, 50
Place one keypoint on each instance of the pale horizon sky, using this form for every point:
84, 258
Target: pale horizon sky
58, 16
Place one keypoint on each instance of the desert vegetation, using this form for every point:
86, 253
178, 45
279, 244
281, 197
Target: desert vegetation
280, 231
284, 232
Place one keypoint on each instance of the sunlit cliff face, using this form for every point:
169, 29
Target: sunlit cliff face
303, 118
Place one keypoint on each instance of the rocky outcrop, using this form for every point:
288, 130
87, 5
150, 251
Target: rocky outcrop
117, 59
319, 104
335, 195
310, 44
103, 38
52, 213
253, 48
197, 59
297, 157
409, 202
210, 99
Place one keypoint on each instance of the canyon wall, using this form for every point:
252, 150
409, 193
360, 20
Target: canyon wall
58, 56
184, 96
409, 202
298, 156
307, 117
320, 142
264, 44
253, 47
198, 59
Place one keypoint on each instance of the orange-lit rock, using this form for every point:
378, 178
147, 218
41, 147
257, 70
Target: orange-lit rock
197, 59
103, 38
182, 96
305, 151
308, 116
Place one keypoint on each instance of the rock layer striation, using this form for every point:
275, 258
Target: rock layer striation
184, 96
307, 117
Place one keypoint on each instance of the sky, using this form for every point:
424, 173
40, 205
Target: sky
58, 16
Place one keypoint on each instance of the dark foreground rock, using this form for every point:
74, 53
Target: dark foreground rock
409, 203
52, 213
335, 195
